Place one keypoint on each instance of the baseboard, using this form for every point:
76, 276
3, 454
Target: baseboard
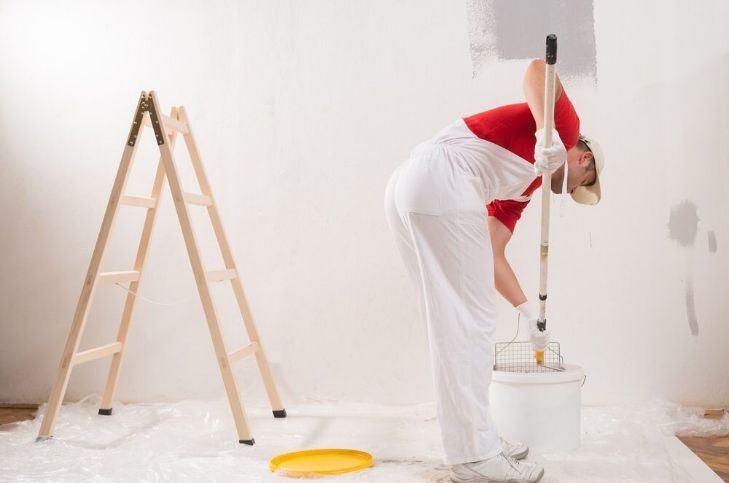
8, 405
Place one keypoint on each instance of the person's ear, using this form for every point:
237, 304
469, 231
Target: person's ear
585, 159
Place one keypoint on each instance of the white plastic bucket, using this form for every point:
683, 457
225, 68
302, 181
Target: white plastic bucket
541, 409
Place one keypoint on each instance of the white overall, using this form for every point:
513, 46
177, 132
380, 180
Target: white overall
435, 205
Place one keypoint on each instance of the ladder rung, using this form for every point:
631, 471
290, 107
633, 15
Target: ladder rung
117, 277
243, 352
170, 124
196, 199
91, 354
220, 275
144, 201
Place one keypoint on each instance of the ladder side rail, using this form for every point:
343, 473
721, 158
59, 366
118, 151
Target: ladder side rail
90, 282
229, 261
211, 316
139, 263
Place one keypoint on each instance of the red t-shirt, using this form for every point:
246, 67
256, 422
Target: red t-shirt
512, 127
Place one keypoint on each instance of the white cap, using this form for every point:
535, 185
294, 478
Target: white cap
590, 195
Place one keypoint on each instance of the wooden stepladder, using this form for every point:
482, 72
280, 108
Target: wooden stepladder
165, 130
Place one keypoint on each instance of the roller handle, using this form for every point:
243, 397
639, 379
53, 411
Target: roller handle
549, 85
551, 58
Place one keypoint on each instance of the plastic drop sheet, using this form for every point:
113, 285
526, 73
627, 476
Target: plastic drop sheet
196, 441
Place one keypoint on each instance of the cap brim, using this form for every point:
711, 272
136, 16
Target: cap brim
587, 195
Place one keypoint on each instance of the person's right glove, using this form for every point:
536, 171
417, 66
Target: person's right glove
548, 160
538, 338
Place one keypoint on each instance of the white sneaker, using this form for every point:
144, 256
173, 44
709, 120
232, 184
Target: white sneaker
499, 469
517, 451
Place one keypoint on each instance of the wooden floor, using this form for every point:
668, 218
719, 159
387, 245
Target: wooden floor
712, 451
10, 415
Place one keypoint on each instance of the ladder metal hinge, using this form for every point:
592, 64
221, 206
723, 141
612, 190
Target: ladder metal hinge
152, 109
138, 117
146, 104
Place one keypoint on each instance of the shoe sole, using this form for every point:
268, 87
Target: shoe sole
489, 480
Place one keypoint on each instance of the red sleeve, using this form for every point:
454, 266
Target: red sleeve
506, 211
566, 121
567, 125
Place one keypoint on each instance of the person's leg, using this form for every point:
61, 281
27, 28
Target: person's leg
456, 266
440, 225
403, 240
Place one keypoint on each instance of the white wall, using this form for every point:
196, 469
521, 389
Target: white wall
302, 110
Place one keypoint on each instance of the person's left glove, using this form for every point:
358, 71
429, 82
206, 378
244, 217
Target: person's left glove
538, 338
548, 159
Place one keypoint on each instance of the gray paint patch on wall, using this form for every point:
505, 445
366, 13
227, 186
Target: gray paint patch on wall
683, 223
691, 307
712, 242
516, 29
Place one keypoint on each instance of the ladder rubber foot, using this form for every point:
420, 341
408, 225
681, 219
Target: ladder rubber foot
43, 438
249, 442
279, 413
105, 412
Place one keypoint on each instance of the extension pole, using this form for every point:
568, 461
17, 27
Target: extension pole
549, 80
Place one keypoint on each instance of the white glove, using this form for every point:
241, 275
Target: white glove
548, 160
538, 338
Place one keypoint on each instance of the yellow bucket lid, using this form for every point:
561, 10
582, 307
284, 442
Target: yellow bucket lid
321, 462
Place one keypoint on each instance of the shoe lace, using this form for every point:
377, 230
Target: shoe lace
513, 463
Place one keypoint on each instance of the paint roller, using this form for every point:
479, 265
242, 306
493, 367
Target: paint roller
549, 80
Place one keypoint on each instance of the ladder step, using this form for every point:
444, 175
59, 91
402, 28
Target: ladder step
243, 352
92, 354
196, 199
143, 201
178, 126
170, 124
117, 277
220, 275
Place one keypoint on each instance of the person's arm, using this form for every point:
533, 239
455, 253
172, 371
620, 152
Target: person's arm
506, 281
508, 285
534, 90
